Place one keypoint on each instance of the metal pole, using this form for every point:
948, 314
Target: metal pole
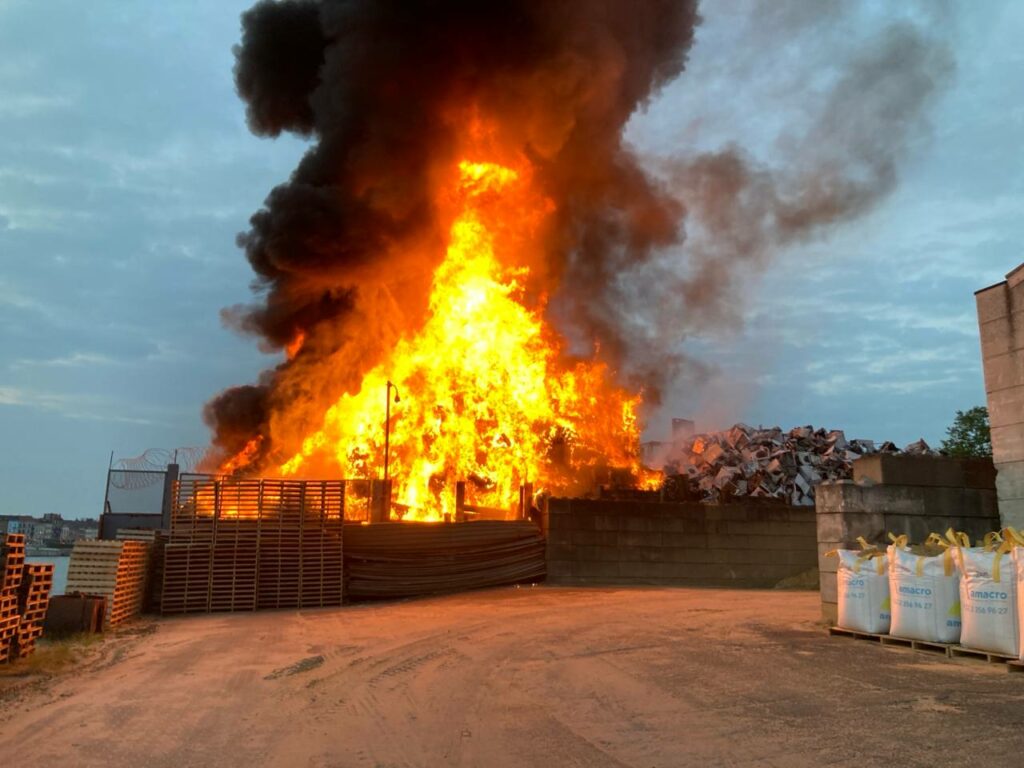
387, 429
106, 496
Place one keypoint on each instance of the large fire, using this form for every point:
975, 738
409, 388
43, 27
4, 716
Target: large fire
484, 392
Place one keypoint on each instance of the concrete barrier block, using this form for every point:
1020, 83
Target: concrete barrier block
599, 554
595, 538
640, 539
871, 526
827, 563
690, 540
1011, 512
643, 554
931, 471
596, 571
830, 613
694, 525
830, 526
688, 555
559, 521
559, 548
636, 570
731, 541
828, 584
559, 571
766, 529
640, 523
980, 503
783, 543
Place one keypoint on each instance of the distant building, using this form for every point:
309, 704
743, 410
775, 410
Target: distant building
50, 531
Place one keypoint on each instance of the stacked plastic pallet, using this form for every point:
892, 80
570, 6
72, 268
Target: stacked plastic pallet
114, 569
24, 597
12, 566
33, 599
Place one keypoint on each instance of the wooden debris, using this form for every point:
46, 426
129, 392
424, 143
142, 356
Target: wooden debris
765, 463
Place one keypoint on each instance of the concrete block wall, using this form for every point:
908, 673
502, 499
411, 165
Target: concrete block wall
847, 509
744, 544
1001, 324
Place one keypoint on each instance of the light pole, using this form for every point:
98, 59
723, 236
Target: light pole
387, 425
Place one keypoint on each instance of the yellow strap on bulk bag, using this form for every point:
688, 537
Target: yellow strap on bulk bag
993, 540
952, 540
1009, 538
1013, 536
868, 552
901, 542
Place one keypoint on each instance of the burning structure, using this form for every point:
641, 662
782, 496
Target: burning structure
469, 230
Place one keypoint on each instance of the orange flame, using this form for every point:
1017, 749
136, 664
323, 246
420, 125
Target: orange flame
485, 394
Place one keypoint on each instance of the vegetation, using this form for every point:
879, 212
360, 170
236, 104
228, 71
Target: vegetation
52, 656
969, 434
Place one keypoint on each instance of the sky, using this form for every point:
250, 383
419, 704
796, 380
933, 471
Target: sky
126, 171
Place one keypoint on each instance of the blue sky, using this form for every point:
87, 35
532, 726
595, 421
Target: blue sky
126, 170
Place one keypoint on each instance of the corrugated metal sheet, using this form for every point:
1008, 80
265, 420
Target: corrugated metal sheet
391, 560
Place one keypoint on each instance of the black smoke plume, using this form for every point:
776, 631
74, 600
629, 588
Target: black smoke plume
382, 87
638, 255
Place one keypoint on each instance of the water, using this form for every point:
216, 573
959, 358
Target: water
60, 571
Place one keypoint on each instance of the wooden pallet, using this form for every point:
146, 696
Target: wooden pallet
950, 650
116, 570
242, 545
958, 651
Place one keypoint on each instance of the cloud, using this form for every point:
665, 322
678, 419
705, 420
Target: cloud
70, 405
74, 360
19, 106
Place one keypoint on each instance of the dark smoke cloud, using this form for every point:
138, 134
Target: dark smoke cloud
641, 254
741, 211
379, 84
277, 88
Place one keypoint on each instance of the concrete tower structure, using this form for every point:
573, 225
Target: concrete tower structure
1001, 322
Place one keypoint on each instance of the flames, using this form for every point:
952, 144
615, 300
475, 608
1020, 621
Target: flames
486, 393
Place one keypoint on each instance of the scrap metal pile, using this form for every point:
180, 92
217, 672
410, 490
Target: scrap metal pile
766, 463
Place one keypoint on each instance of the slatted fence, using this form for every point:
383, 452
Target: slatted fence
243, 545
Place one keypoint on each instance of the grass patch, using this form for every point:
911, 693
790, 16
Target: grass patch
52, 655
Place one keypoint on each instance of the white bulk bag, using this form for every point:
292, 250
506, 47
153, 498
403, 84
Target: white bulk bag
988, 595
1018, 567
863, 591
925, 597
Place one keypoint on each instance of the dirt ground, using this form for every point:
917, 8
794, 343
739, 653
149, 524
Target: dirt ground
515, 677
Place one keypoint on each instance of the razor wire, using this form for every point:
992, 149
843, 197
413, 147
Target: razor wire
149, 468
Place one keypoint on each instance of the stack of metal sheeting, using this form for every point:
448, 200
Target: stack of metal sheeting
391, 560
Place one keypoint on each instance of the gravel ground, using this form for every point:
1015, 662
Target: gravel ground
516, 677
